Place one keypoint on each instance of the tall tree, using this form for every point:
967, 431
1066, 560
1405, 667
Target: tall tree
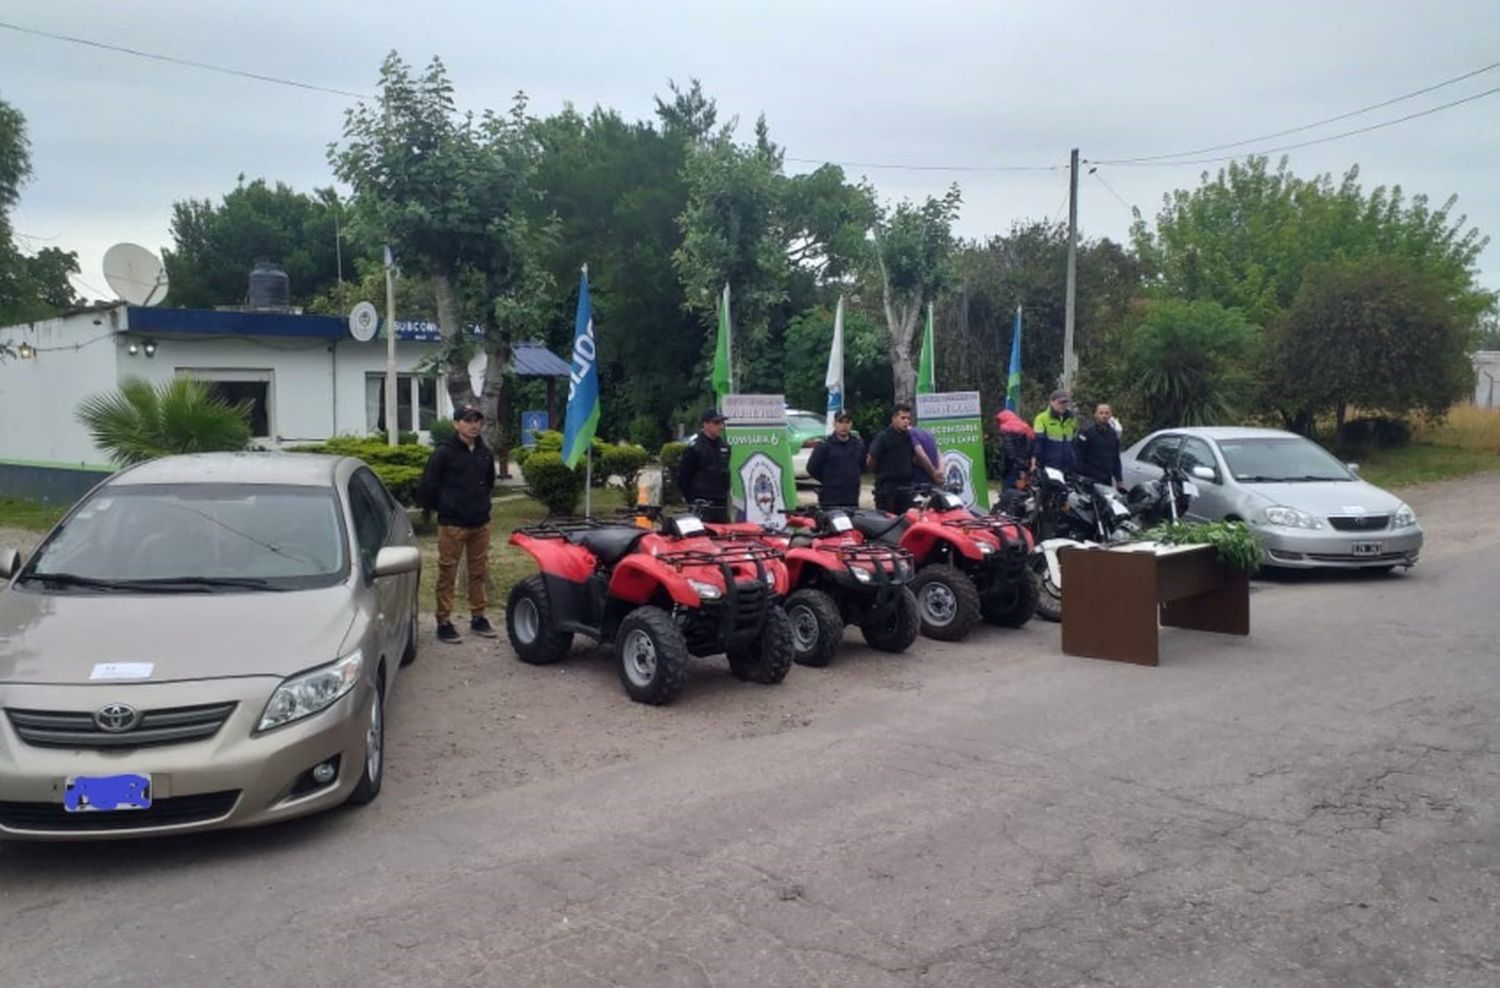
1191, 363
31, 287
216, 245
913, 250
1378, 333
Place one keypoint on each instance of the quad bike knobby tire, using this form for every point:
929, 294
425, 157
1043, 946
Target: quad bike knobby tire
528, 622
1012, 608
947, 601
768, 659
652, 654
1049, 594
817, 626
899, 629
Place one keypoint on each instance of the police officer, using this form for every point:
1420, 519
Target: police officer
836, 464
894, 458
703, 471
1098, 450
1055, 429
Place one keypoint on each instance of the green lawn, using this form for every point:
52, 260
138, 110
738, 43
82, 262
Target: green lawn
507, 563
1419, 463
31, 515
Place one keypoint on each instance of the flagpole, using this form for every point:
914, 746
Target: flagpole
588, 484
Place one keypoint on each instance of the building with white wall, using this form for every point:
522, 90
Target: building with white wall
306, 377
1487, 378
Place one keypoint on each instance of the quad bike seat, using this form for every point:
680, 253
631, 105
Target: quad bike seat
609, 544
879, 525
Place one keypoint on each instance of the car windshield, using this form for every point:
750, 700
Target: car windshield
1294, 459
197, 537
805, 424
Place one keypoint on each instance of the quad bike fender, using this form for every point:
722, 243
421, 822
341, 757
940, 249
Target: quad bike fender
1049, 549
637, 579
556, 558
923, 537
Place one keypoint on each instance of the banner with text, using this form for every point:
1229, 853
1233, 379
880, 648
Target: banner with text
953, 418
761, 483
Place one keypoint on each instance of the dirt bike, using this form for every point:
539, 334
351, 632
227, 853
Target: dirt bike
1164, 499
659, 596
1069, 510
838, 578
969, 565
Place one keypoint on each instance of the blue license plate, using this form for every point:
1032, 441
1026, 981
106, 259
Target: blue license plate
107, 793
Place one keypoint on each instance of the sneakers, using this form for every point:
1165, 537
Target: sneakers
447, 633
481, 626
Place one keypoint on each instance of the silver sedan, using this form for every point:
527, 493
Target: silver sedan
1307, 508
204, 641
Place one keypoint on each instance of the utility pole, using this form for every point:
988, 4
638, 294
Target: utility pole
1070, 361
392, 429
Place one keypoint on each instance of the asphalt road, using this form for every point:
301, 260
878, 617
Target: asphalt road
1318, 804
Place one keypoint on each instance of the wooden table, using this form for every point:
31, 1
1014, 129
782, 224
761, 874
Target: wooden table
1114, 599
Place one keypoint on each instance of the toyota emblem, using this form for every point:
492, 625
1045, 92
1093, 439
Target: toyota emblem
116, 718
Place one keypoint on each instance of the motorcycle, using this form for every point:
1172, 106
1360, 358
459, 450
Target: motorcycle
1069, 511
1165, 499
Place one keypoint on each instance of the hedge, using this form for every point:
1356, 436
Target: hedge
552, 482
399, 467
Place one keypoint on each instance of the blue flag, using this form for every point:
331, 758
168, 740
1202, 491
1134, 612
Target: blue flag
1013, 380
583, 383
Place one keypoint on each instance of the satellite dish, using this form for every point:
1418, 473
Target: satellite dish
364, 320
136, 275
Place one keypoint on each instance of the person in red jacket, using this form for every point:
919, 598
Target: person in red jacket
1016, 439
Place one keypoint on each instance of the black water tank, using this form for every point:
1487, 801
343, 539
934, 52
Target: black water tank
270, 288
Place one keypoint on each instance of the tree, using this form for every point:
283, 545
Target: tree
1244, 239
143, 421
867, 377
913, 249
216, 246
1378, 333
31, 287
1191, 364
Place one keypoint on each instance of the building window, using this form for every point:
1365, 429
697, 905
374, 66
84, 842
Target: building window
412, 391
235, 386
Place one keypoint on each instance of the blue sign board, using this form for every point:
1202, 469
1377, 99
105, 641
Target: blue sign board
531, 424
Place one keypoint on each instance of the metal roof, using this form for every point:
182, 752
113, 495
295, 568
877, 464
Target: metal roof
535, 360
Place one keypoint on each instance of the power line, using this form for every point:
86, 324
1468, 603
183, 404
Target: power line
1122, 163
173, 60
1297, 130
1094, 171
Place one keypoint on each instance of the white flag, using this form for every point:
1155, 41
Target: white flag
835, 377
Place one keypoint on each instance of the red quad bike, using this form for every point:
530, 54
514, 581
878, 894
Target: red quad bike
837, 579
968, 566
658, 596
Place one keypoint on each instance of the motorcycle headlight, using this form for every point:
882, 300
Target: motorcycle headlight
707, 591
1291, 518
307, 693
861, 574
1405, 517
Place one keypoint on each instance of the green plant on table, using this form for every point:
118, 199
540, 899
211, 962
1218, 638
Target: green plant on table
1233, 542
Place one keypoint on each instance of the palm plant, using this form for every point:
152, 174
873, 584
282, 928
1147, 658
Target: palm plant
143, 421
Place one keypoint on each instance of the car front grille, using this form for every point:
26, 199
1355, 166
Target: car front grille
77, 729
1359, 523
174, 810
1344, 557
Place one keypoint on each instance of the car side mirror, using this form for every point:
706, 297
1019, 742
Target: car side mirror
1353, 468
394, 560
1206, 473
10, 563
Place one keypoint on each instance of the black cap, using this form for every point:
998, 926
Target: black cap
464, 410
712, 415
1062, 394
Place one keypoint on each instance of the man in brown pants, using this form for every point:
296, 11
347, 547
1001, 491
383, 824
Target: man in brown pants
458, 484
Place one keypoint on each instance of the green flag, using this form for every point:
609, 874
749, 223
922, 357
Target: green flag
723, 381
926, 384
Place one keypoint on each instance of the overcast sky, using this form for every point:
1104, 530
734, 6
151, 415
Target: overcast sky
116, 139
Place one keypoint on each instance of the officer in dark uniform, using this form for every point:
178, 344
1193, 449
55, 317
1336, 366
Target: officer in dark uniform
703, 471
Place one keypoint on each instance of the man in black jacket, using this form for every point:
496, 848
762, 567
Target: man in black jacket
893, 460
458, 483
703, 471
1098, 449
836, 463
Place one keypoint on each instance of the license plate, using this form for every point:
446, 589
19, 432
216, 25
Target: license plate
107, 793
1367, 548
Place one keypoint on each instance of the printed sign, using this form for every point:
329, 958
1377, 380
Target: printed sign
761, 483
953, 419
531, 424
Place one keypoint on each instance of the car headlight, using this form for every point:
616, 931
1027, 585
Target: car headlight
1405, 517
306, 693
861, 574
1291, 518
705, 590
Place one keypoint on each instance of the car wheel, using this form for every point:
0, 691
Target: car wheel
652, 655
767, 659
528, 623
947, 601
373, 772
899, 629
817, 626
